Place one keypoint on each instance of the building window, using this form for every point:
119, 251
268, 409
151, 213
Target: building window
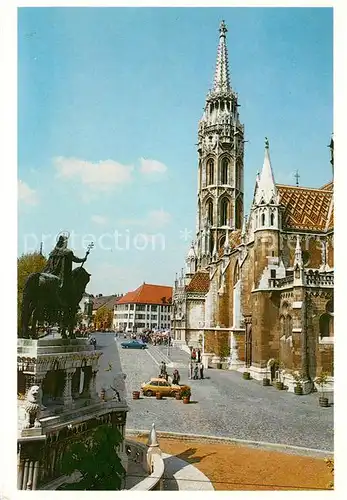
273, 273
224, 209
326, 325
224, 171
210, 171
238, 210
263, 219
210, 212
272, 219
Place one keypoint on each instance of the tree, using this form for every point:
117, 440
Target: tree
103, 318
96, 460
27, 264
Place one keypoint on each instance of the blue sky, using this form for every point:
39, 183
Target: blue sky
108, 106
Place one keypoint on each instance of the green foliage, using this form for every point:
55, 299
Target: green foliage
97, 461
322, 380
27, 264
223, 350
103, 318
186, 393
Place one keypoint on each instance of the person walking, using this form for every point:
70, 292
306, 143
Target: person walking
199, 355
193, 355
201, 367
190, 370
196, 371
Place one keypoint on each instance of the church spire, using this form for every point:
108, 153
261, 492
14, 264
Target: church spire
266, 188
221, 79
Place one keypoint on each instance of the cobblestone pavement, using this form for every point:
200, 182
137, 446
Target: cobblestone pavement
224, 404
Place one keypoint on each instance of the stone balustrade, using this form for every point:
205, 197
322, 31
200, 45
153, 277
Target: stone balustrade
311, 278
319, 279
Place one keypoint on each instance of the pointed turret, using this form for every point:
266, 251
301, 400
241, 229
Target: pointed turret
221, 78
152, 438
298, 260
191, 260
266, 188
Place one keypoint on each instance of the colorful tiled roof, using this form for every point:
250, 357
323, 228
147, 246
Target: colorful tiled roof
328, 187
305, 208
200, 282
148, 294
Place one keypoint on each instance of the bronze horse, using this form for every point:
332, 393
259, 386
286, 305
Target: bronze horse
44, 299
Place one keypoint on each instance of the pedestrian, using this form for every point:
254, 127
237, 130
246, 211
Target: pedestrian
201, 366
193, 354
199, 355
190, 370
196, 371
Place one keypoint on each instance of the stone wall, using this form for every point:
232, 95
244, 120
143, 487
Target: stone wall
265, 327
215, 340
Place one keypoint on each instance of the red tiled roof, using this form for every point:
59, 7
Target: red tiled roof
200, 282
148, 294
305, 208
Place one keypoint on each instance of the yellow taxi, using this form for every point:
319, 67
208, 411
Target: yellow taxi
161, 385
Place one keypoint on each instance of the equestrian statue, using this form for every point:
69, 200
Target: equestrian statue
54, 294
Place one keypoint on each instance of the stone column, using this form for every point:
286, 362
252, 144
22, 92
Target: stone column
67, 389
35, 474
92, 386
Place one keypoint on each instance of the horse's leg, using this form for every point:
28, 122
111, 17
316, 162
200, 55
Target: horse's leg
34, 323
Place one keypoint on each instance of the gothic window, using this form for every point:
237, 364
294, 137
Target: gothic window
263, 219
272, 219
282, 326
221, 241
224, 210
211, 243
224, 171
236, 273
329, 308
210, 172
288, 326
238, 212
210, 212
326, 325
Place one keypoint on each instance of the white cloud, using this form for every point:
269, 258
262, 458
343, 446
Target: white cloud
99, 219
27, 195
150, 167
153, 219
98, 176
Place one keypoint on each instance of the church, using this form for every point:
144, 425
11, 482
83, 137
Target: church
257, 292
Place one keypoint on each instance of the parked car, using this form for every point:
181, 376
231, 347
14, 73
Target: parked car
161, 385
133, 344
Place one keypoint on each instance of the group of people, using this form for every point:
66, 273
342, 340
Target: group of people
196, 371
195, 355
164, 374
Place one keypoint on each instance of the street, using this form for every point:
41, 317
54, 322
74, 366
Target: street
223, 404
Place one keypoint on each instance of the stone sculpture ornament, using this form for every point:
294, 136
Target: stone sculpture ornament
33, 408
55, 293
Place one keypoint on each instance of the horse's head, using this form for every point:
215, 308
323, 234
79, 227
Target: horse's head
80, 279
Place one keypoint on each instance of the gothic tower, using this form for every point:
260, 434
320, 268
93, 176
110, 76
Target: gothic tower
220, 171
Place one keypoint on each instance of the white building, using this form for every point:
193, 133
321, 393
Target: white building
147, 307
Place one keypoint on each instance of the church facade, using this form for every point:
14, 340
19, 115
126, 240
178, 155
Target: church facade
257, 292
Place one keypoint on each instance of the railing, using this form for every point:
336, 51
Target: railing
280, 282
316, 279
310, 279
154, 481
